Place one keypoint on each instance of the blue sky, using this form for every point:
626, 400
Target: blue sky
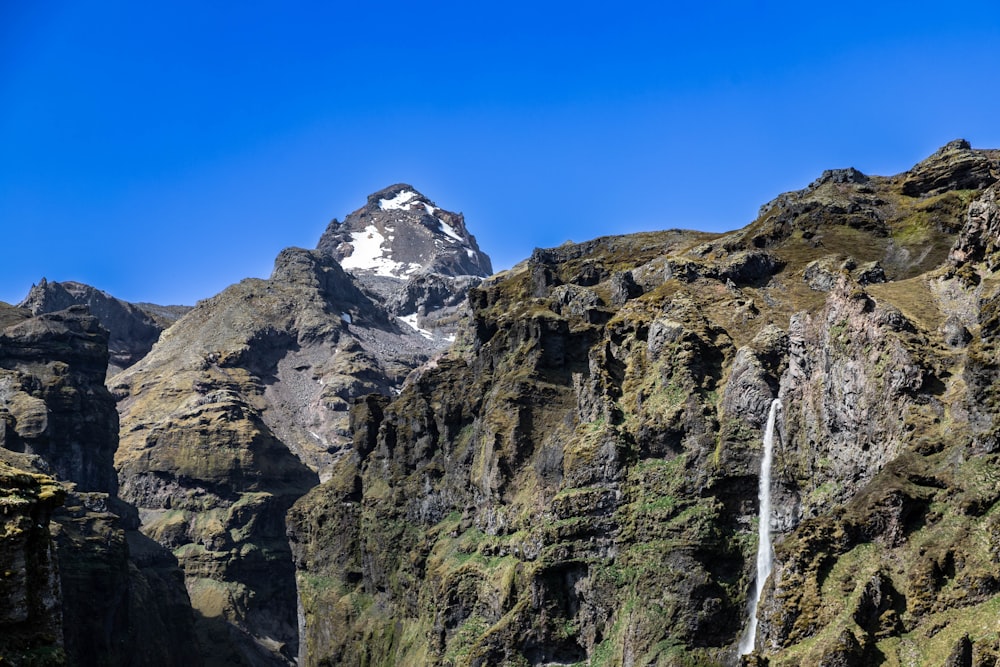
161, 151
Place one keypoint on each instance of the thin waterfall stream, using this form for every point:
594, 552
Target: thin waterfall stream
765, 549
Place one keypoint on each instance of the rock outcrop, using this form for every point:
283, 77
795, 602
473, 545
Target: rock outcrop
955, 166
53, 402
81, 586
133, 328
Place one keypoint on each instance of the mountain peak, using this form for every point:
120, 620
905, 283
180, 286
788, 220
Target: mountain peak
400, 232
954, 166
400, 196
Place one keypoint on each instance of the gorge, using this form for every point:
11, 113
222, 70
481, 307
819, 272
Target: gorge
385, 454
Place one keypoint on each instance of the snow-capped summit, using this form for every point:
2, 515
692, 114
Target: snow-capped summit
417, 258
399, 233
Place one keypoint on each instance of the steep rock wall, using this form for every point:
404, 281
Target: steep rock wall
576, 480
93, 594
31, 616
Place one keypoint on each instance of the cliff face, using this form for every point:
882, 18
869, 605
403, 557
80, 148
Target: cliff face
243, 404
54, 403
200, 453
31, 616
576, 479
80, 587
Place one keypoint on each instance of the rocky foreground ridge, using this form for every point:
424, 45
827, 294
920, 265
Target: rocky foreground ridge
572, 480
79, 584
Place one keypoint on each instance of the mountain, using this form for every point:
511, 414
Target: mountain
133, 327
399, 233
381, 456
413, 257
243, 404
575, 481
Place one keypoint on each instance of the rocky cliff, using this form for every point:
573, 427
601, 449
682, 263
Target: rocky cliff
31, 616
575, 480
243, 405
353, 464
81, 586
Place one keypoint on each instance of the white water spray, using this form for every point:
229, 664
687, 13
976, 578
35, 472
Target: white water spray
765, 550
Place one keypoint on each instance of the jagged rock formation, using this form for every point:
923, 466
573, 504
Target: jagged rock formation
243, 405
80, 585
53, 402
133, 327
575, 480
415, 258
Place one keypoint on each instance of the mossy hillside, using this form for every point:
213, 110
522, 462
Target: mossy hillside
533, 497
927, 527
582, 472
870, 218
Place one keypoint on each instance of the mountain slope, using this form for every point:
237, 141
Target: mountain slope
242, 407
575, 481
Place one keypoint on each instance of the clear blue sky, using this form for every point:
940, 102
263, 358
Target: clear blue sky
161, 151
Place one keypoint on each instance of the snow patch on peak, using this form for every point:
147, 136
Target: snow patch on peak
368, 255
399, 202
449, 230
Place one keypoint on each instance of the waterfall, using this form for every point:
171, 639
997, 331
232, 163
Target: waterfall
765, 550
